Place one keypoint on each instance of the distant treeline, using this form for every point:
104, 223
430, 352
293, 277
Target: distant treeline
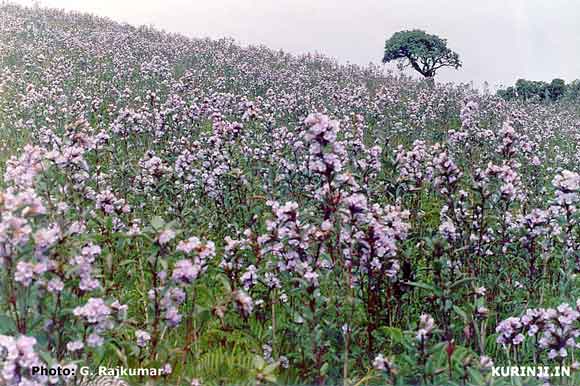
538, 90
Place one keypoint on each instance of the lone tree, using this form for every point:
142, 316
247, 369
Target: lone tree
425, 53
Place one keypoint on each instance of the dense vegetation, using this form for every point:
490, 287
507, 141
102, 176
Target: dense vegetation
529, 90
244, 216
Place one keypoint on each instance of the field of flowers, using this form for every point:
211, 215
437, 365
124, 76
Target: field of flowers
244, 216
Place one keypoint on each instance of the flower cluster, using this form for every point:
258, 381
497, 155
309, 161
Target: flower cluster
555, 329
187, 271
425, 328
83, 264
325, 151
343, 202
17, 359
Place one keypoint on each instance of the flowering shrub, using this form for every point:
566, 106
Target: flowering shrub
239, 215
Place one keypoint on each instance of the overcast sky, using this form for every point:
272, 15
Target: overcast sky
498, 40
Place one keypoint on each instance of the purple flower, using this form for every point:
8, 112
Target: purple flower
95, 340
166, 236
249, 278
95, 311
185, 272
244, 302
172, 316
17, 360
426, 326
382, 364
143, 338
55, 285
75, 345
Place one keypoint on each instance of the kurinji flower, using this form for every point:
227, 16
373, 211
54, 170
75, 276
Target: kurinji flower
567, 181
415, 165
249, 278
189, 245
88, 283
467, 113
21, 203
135, 228
166, 236
567, 186
326, 153
172, 316
533, 320
143, 338
95, 340
508, 137
271, 280
469, 131
426, 326
447, 174
91, 250
244, 303
153, 169
382, 364
55, 285
22, 171
46, 237
170, 302
26, 272
17, 360
485, 362
510, 332
109, 203
448, 231
75, 345
185, 272
95, 311
311, 277
120, 310
76, 227
284, 362
83, 263
14, 231
205, 250
356, 203
167, 369
326, 225
482, 312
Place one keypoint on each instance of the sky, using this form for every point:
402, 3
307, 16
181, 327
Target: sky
498, 41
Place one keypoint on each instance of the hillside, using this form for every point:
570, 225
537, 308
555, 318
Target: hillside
238, 215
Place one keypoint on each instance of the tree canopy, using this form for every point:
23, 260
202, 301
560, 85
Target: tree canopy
424, 52
541, 91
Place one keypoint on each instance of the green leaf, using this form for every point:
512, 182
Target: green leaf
157, 223
120, 354
46, 358
476, 377
460, 282
259, 362
396, 334
272, 367
7, 325
461, 313
424, 286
